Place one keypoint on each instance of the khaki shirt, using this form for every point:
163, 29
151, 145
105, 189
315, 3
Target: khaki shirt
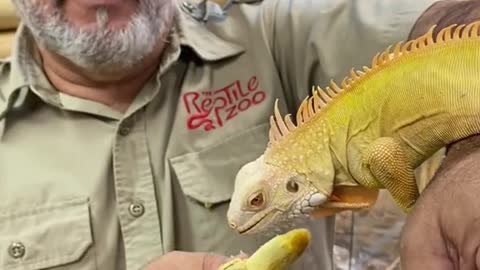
85, 187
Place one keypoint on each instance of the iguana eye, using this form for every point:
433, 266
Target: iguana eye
292, 186
257, 200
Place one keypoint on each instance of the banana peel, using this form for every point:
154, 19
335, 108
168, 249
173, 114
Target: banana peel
277, 254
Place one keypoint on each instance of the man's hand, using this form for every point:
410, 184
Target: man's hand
443, 230
179, 260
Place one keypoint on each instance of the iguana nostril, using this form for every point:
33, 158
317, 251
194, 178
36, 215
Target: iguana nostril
233, 225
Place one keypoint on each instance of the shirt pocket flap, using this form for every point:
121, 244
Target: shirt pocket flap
44, 236
208, 176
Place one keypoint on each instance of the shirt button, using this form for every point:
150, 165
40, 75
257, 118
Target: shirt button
16, 250
125, 128
136, 209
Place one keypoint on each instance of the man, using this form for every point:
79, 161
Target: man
123, 123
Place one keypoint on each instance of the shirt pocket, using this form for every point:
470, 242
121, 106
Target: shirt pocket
208, 176
46, 236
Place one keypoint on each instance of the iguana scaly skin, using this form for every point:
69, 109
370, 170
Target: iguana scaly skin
369, 133
277, 254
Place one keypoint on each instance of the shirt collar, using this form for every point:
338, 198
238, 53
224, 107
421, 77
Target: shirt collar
18, 75
195, 33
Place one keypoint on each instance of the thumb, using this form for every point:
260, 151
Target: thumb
213, 262
422, 245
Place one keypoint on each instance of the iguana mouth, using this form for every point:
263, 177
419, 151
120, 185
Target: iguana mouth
249, 226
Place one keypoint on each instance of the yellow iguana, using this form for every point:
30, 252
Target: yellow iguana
277, 254
370, 133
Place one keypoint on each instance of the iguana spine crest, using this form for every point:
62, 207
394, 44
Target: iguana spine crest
320, 99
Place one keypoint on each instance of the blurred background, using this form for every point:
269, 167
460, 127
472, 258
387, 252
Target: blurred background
369, 239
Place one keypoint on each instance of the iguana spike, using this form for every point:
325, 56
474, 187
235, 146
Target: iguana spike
385, 56
421, 43
415, 44
323, 95
353, 74
330, 92
407, 47
316, 101
271, 137
311, 109
278, 118
335, 87
288, 121
441, 36
344, 83
474, 33
458, 30
273, 134
319, 100
366, 69
448, 32
375, 60
300, 112
467, 31
429, 35
305, 114
397, 49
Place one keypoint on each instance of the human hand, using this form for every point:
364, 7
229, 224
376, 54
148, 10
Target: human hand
179, 260
443, 230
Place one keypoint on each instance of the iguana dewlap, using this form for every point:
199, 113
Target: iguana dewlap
277, 254
369, 133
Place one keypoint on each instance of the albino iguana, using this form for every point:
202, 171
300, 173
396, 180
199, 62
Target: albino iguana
370, 133
277, 254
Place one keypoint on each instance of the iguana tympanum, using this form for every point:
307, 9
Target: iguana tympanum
367, 134
277, 254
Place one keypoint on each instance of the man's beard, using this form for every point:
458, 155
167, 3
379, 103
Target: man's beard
101, 49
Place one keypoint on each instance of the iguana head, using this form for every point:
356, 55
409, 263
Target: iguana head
295, 176
266, 196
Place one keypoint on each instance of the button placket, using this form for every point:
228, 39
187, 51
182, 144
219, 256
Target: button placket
135, 190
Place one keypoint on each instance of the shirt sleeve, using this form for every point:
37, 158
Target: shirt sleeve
314, 41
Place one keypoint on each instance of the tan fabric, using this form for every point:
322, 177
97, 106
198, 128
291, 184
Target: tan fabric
6, 43
74, 175
8, 17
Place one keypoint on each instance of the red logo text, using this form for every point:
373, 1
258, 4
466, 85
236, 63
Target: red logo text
212, 109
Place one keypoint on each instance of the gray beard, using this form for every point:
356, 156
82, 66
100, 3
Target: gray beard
100, 50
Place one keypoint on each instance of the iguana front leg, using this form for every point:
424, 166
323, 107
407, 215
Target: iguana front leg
386, 163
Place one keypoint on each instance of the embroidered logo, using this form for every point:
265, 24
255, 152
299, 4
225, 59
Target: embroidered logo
212, 109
